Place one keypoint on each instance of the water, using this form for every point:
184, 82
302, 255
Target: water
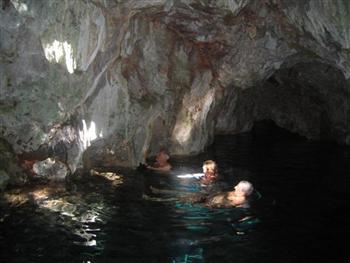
302, 215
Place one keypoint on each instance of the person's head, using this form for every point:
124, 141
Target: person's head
209, 166
244, 188
162, 156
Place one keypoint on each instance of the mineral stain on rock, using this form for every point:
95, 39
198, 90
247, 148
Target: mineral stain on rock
88, 79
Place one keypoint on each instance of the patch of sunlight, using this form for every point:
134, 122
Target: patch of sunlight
235, 5
115, 178
195, 115
57, 51
88, 134
61, 109
19, 6
43, 192
60, 106
40, 194
16, 199
182, 132
71, 211
59, 205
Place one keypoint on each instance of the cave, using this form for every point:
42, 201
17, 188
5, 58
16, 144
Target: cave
308, 98
91, 91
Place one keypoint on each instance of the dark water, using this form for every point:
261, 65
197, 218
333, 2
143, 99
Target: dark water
302, 215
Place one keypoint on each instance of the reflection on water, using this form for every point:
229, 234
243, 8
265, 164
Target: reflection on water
111, 217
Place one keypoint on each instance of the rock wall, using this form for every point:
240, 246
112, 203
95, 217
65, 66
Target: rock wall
111, 82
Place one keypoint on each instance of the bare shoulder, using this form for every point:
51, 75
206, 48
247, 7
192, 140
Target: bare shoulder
217, 199
165, 168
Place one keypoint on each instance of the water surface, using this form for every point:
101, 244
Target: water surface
301, 216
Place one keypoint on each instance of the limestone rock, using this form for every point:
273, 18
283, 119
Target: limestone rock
111, 82
51, 169
9, 165
4, 180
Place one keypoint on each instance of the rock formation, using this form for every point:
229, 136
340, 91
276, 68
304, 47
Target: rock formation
109, 82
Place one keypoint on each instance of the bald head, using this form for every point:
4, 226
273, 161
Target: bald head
245, 187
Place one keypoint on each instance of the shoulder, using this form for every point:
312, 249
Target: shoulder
216, 199
166, 167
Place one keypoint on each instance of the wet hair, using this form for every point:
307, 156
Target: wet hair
246, 187
211, 165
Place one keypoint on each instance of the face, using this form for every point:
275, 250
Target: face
208, 168
231, 196
238, 190
161, 157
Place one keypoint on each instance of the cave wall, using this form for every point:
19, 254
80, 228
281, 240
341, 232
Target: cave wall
111, 82
309, 98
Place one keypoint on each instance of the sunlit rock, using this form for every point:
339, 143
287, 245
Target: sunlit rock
114, 178
57, 51
16, 199
108, 175
51, 169
43, 192
59, 205
191, 127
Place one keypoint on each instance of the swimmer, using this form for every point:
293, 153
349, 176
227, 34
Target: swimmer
161, 164
210, 172
239, 197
